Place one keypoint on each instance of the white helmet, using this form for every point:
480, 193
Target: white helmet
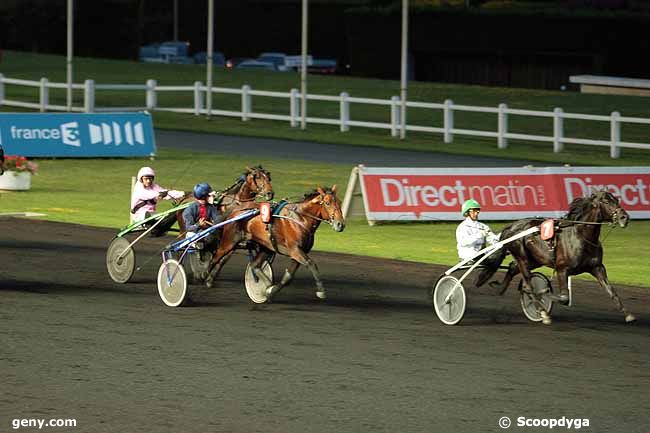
145, 171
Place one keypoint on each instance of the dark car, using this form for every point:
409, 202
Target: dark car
218, 59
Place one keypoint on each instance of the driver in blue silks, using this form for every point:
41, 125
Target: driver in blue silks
202, 213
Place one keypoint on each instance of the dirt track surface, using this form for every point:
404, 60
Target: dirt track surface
372, 358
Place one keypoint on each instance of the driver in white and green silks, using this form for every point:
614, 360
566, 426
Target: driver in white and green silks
471, 235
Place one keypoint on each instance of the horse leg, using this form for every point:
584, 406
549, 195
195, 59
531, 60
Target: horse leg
601, 275
502, 286
303, 259
215, 268
563, 284
286, 278
256, 268
220, 257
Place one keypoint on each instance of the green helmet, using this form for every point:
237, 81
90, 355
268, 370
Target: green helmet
469, 204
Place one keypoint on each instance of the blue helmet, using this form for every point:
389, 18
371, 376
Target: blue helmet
202, 190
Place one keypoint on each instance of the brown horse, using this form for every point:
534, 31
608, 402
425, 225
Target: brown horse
575, 249
291, 233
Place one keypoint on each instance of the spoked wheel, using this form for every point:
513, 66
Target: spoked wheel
172, 283
541, 288
449, 300
255, 287
120, 260
199, 262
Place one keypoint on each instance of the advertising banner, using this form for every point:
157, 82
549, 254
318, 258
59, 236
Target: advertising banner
428, 194
77, 135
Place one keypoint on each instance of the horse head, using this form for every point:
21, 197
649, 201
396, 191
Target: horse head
330, 208
610, 208
258, 181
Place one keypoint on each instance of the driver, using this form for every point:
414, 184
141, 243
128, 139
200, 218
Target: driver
472, 235
202, 213
147, 194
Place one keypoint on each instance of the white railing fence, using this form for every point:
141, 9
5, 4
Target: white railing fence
151, 89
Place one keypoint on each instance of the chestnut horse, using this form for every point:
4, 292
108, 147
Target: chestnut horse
291, 233
575, 249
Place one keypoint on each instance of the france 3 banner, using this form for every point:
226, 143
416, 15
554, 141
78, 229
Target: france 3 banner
77, 135
428, 194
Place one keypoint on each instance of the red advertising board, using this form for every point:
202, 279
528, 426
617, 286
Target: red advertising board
504, 193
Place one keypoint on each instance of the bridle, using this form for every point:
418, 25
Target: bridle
324, 205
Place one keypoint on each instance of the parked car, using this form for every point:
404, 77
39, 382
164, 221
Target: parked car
231, 63
323, 66
218, 59
166, 52
256, 64
277, 59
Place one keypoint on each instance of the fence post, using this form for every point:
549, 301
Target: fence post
151, 95
89, 96
44, 95
344, 112
2, 89
245, 102
558, 130
294, 107
448, 118
502, 141
615, 150
198, 98
394, 115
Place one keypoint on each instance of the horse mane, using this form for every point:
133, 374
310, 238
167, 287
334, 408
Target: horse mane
581, 206
313, 193
578, 208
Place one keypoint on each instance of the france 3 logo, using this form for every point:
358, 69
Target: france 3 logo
116, 134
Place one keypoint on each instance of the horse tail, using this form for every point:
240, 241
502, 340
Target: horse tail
490, 266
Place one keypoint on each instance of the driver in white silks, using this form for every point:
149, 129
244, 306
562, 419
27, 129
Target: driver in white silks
471, 235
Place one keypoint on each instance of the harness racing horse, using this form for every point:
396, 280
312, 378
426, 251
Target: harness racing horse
576, 248
253, 183
2, 160
291, 233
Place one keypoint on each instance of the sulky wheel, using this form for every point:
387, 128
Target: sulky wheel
120, 260
449, 300
255, 287
199, 262
541, 287
172, 283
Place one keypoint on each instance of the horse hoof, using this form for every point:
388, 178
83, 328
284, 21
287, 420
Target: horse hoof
546, 319
208, 283
629, 318
271, 290
321, 294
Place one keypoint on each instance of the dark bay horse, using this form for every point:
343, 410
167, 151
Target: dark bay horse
252, 184
575, 249
290, 234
